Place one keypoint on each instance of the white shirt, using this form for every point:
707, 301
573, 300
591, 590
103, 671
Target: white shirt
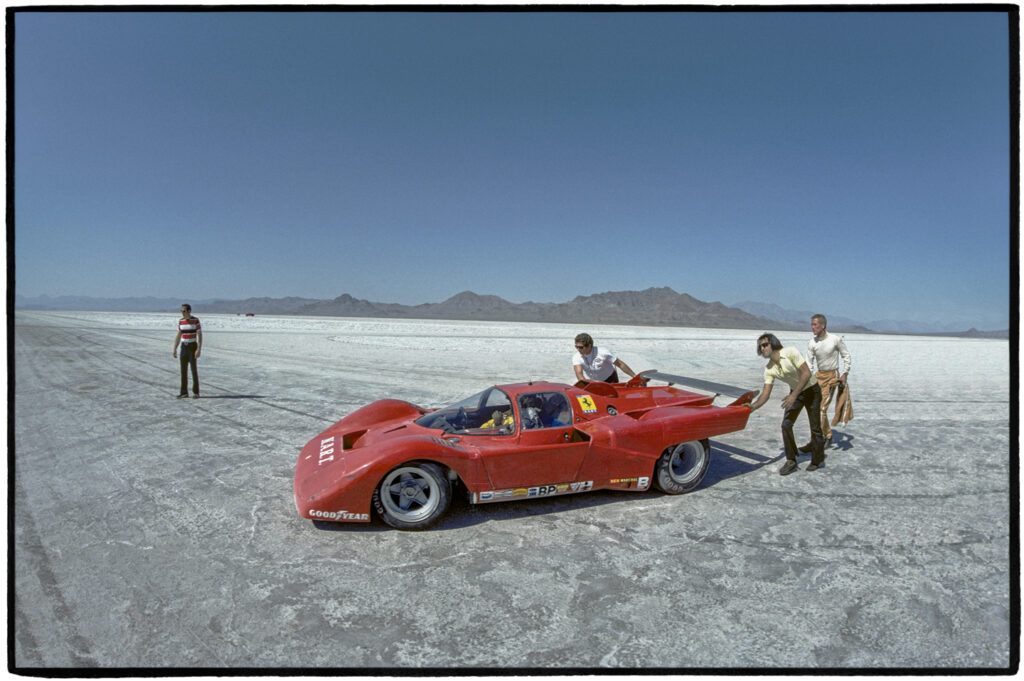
598, 364
826, 351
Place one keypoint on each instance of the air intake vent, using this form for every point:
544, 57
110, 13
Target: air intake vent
349, 441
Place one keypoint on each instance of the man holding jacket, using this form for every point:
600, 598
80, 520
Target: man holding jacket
824, 351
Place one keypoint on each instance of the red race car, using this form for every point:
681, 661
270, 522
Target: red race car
512, 442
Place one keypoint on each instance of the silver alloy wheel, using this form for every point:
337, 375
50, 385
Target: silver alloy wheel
686, 465
410, 494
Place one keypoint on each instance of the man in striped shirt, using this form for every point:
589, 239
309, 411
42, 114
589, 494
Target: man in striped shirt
190, 336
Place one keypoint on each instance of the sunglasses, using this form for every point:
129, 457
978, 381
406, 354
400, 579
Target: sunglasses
764, 345
582, 347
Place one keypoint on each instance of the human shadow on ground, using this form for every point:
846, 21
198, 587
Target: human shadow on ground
841, 441
233, 397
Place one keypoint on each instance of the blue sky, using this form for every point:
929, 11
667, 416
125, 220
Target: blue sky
855, 163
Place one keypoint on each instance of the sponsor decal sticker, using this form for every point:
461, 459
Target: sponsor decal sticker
587, 404
640, 482
326, 450
538, 491
339, 515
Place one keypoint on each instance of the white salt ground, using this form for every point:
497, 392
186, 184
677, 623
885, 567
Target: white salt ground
154, 532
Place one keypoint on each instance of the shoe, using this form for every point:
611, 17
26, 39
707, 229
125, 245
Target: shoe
807, 448
182, 395
787, 468
815, 466
195, 396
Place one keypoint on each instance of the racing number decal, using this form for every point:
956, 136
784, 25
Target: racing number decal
587, 404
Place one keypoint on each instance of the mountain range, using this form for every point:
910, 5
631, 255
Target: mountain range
651, 307
772, 311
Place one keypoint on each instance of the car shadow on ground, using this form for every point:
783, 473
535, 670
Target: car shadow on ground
375, 525
463, 514
726, 462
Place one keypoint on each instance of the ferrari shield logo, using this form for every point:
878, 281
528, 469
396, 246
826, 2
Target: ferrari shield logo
587, 404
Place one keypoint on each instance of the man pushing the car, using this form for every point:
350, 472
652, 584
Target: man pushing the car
592, 363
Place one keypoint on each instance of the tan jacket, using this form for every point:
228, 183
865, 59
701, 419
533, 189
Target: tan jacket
844, 406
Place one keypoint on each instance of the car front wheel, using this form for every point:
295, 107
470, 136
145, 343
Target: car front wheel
681, 467
413, 496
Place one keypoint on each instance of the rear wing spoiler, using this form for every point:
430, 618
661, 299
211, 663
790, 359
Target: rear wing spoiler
742, 395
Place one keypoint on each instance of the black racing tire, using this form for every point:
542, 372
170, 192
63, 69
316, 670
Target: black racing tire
682, 467
413, 496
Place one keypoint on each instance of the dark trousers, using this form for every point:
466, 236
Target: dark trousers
187, 357
614, 378
810, 401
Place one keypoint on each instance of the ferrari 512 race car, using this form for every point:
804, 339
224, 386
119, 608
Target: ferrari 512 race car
513, 442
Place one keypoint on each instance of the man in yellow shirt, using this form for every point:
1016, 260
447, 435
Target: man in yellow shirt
788, 365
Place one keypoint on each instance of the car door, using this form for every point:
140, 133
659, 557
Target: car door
549, 451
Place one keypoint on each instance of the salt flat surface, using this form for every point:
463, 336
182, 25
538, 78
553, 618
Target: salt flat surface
154, 532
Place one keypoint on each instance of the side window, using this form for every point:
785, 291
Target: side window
498, 405
545, 410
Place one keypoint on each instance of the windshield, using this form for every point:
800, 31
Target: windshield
487, 413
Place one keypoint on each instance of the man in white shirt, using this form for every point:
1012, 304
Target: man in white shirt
824, 351
592, 363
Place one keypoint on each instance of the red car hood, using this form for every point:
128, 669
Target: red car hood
357, 441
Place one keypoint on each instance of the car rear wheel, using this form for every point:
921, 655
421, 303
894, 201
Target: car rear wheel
681, 467
413, 496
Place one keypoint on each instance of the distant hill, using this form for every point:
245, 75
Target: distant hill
773, 311
838, 323
651, 307
259, 305
144, 304
971, 333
